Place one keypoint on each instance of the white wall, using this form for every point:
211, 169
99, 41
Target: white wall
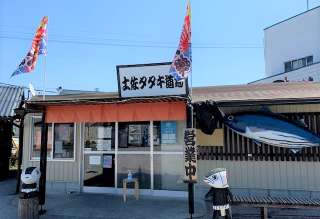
301, 74
294, 38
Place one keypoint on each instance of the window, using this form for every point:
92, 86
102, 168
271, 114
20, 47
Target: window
134, 136
36, 144
60, 142
169, 134
99, 137
63, 141
168, 171
138, 165
287, 66
309, 60
299, 63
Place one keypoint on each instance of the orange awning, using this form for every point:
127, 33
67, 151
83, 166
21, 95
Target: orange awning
121, 112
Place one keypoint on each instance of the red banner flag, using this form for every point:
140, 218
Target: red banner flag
181, 64
38, 47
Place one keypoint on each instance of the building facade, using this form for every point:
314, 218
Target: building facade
94, 140
263, 169
92, 147
291, 49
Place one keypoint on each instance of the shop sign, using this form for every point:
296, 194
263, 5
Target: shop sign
148, 80
190, 155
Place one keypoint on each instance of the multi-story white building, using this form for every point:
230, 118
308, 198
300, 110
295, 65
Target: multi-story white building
292, 49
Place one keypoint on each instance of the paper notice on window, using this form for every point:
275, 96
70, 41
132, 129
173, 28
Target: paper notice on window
103, 145
107, 161
104, 132
94, 160
168, 132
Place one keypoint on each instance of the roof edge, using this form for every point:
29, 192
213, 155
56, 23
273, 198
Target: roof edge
291, 17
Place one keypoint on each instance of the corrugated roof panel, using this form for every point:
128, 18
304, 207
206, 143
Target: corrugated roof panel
10, 98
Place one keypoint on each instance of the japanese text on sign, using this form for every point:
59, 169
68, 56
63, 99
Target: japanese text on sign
148, 80
190, 154
140, 83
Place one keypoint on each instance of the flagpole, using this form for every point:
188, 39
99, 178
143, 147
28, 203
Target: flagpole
44, 77
191, 184
45, 65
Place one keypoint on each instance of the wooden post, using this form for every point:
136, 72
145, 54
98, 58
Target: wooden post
28, 208
190, 183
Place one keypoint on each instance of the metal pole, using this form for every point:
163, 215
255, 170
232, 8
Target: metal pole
307, 5
43, 162
191, 198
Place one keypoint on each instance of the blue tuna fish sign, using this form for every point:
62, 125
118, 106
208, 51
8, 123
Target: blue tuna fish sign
272, 130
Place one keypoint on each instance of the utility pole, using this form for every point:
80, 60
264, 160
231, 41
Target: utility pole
307, 5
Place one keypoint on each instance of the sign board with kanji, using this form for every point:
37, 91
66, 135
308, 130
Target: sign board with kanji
148, 80
190, 155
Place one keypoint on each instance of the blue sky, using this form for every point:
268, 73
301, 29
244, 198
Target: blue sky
87, 39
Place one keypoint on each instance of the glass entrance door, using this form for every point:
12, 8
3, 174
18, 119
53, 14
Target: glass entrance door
99, 155
99, 170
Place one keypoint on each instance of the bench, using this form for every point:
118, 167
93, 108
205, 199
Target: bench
274, 202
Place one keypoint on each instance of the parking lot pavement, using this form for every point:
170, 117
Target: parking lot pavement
99, 206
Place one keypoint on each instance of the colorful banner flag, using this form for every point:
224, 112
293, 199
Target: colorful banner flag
181, 64
38, 47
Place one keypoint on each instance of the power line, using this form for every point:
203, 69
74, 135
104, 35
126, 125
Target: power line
71, 37
24, 28
95, 39
82, 42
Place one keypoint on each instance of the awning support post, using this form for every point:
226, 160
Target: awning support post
20, 153
43, 163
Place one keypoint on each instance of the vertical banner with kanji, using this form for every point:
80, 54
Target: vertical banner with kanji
190, 155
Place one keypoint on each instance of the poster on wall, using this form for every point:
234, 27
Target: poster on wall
148, 80
135, 135
168, 132
190, 155
107, 161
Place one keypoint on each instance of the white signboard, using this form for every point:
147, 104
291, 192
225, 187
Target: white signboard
148, 80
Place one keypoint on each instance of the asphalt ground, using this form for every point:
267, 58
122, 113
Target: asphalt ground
98, 206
